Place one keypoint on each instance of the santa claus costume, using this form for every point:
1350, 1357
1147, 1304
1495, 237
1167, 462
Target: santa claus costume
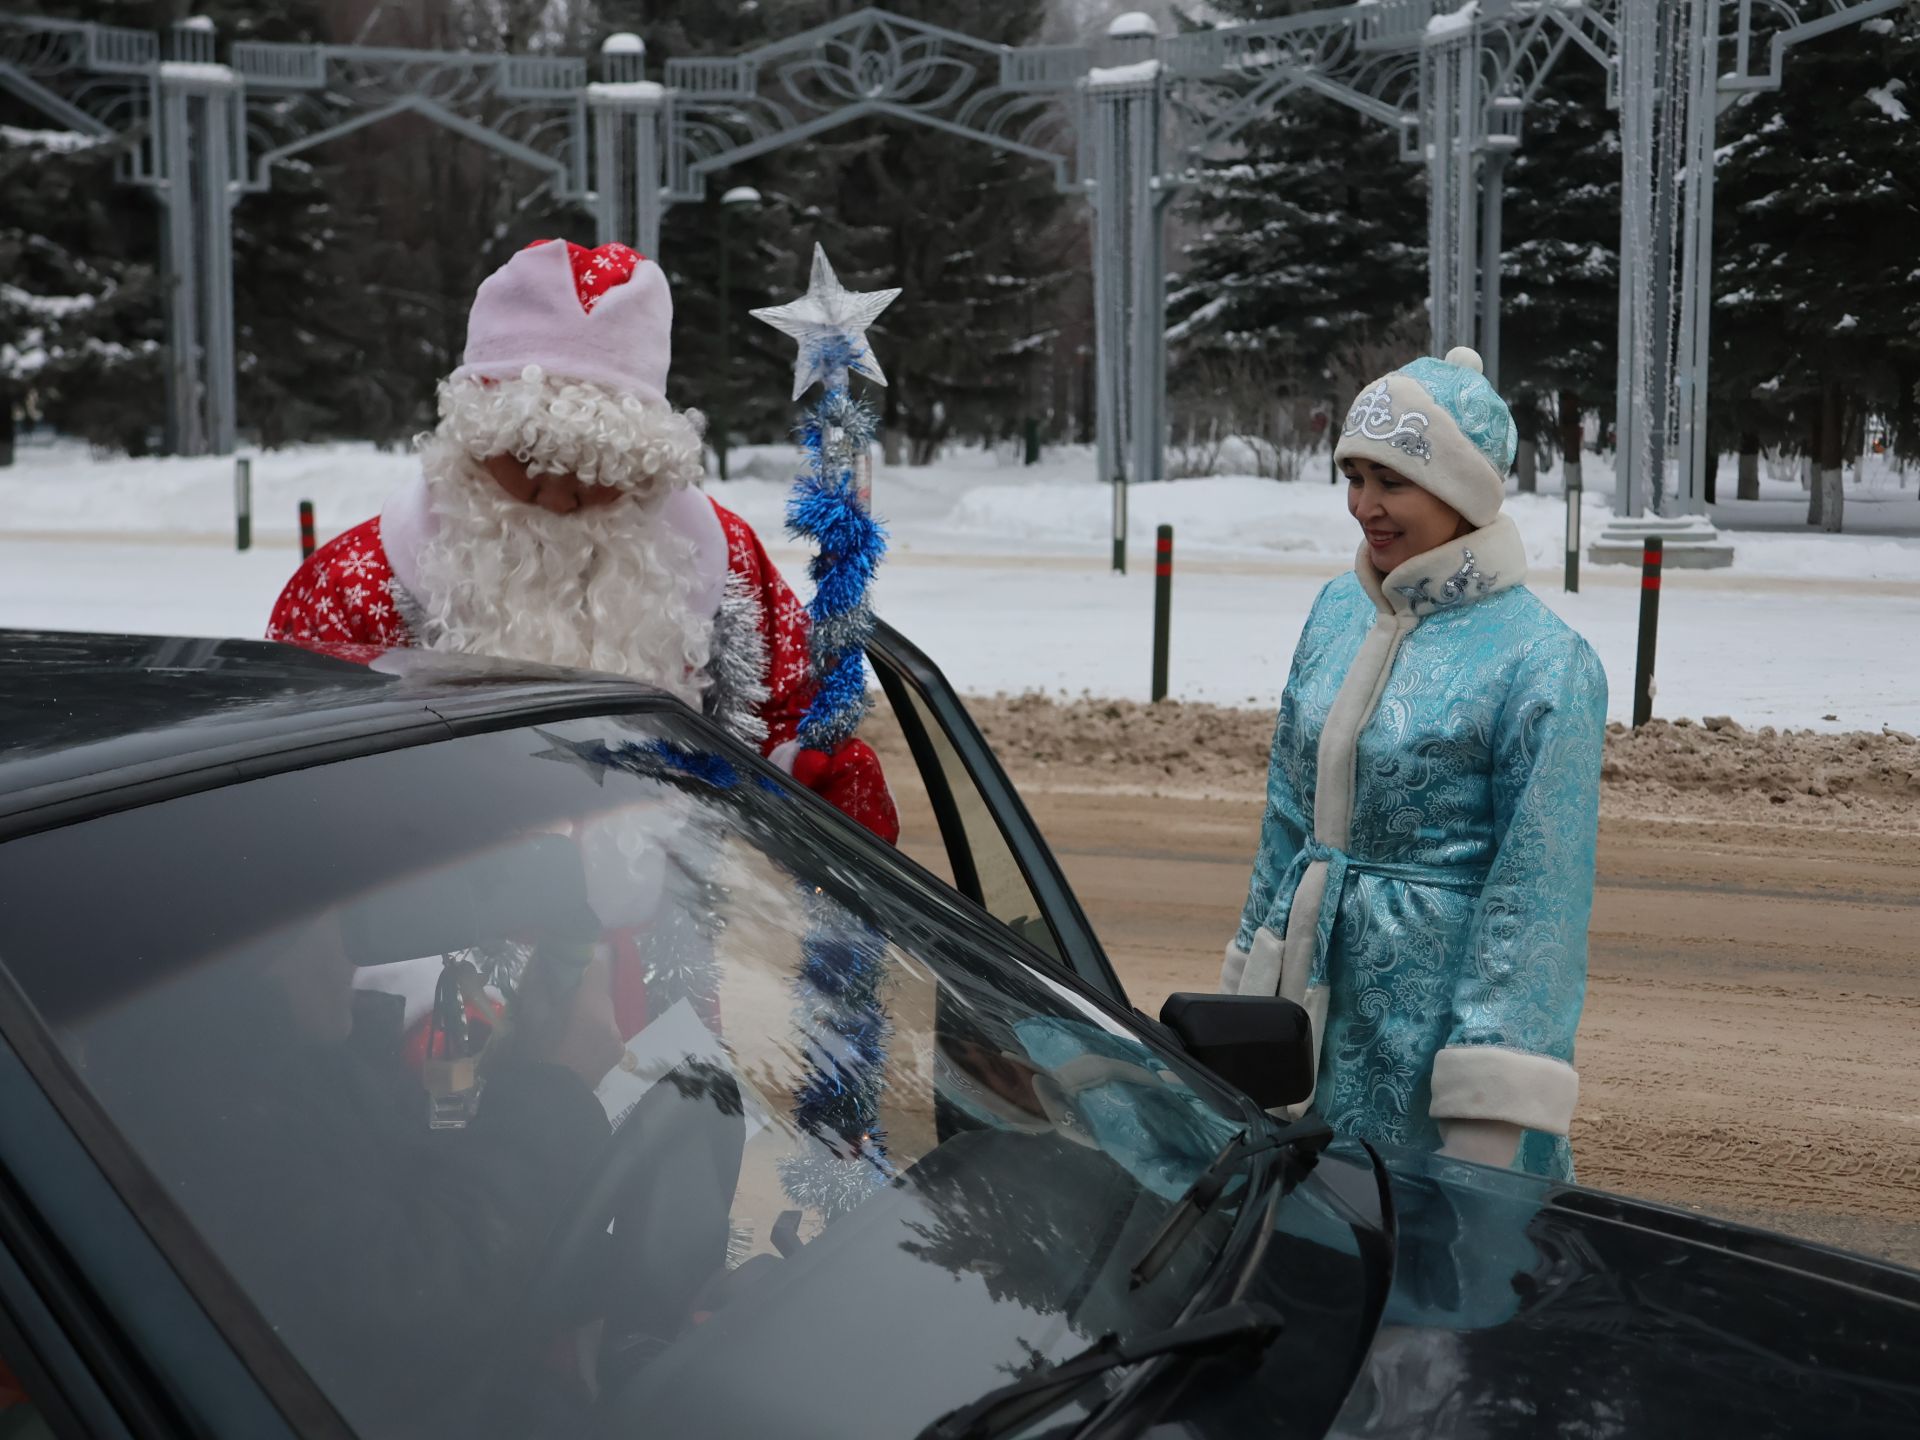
566, 371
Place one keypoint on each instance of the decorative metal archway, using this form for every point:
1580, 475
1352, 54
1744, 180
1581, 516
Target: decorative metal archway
1125, 120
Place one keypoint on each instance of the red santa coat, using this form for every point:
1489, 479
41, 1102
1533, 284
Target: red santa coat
350, 598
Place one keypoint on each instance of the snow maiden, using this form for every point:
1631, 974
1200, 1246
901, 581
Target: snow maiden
1425, 871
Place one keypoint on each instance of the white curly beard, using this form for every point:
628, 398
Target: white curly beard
598, 589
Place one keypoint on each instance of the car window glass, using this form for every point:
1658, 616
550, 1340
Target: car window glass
20, 1418
574, 1078
1002, 886
920, 835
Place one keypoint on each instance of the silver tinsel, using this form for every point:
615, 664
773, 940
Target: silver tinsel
679, 949
834, 635
831, 1184
738, 667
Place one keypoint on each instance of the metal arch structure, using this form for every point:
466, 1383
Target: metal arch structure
1121, 120
1124, 120
1672, 67
1675, 67
207, 133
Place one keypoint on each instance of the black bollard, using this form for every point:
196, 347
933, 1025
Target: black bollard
1573, 539
306, 529
1162, 607
1649, 629
243, 504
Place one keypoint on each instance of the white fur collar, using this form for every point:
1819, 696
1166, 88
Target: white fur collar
406, 525
1482, 563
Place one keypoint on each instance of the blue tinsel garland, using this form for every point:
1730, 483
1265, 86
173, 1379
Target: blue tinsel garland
839, 1015
825, 508
843, 1029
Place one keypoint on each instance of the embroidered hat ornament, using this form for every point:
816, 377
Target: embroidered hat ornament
1440, 424
566, 369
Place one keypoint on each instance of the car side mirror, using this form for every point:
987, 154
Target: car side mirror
1261, 1044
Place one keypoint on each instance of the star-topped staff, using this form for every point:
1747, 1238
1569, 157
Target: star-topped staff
829, 505
839, 1014
830, 322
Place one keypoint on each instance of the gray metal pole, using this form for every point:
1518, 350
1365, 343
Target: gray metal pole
608, 173
1108, 280
186, 436
214, 161
1697, 309
1149, 284
1657, 385
649, 198
1437, 113
1637, 19
1492, 194
723, 390
1129, 323
1466, 253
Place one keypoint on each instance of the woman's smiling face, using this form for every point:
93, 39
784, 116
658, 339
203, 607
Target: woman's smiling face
1398, 518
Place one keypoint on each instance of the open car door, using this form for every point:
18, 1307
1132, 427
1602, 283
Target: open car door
993, 851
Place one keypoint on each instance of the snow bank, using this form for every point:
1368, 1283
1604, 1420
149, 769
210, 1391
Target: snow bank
973, 501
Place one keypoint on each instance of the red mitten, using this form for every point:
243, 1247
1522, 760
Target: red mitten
810, 767
851, 781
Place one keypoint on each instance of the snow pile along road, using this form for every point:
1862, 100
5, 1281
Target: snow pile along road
1713, 771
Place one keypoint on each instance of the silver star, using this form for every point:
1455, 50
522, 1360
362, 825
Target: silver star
830, 322
574, 753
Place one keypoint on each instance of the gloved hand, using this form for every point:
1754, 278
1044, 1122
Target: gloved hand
1485, 1142
851, 781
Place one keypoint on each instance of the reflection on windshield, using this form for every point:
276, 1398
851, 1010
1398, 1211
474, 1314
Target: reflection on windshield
579, 1080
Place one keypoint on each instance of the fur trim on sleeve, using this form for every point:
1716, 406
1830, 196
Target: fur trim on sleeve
1491, 1082
738, 665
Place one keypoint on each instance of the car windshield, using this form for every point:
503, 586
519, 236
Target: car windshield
577, 1079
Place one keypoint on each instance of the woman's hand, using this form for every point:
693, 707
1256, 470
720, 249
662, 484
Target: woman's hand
1484, 1142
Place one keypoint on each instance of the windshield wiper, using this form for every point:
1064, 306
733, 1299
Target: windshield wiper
1311, 1134
1001, 1411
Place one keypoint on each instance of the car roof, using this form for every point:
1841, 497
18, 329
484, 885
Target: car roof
86, 714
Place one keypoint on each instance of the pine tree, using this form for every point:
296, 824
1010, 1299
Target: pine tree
1561, 266
1816, 286
1311, 241
79, 330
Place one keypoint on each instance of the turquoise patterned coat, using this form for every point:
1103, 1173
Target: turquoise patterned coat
1426, 862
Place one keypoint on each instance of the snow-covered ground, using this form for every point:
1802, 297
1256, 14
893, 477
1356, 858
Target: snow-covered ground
1001, 572
973, 502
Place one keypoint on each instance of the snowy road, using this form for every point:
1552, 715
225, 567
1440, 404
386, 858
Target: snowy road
1765, 650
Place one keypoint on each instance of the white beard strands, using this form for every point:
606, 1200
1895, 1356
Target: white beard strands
569, 427
602, 589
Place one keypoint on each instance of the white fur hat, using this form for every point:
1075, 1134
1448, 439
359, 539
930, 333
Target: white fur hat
566, 369
1440, 424
604, 316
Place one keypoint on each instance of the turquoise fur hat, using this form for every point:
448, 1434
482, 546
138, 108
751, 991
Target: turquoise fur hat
1440, 424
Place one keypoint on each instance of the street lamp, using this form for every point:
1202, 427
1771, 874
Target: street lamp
739, 197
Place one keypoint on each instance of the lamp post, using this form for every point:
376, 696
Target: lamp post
739, 196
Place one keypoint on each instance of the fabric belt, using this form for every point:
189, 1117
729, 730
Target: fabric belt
1340, 867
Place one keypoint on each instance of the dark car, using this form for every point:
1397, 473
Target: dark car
884, 1156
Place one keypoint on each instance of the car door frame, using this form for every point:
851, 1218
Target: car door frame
109, 1330
902, 667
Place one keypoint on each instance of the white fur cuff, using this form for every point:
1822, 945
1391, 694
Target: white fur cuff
1489, 1082
1265, 964
1232, 968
